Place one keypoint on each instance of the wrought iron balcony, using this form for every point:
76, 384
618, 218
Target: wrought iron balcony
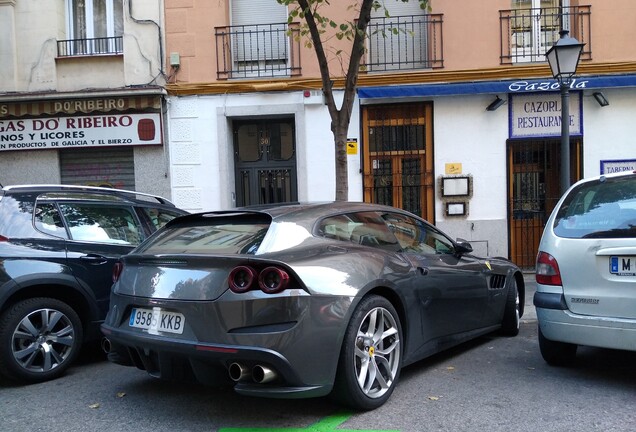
255, 51
90, 47
526, 34
405, 43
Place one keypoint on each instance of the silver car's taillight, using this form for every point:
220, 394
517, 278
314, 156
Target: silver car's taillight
547, 270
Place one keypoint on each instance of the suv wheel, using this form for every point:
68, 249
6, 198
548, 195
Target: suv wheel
39, 339
556, 353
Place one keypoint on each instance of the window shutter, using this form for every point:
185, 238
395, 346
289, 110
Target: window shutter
409, 46
262, 35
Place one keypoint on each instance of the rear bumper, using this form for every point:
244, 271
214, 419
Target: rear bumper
174, 359
562, 325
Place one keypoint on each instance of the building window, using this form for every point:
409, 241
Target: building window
94, 27
404, 37
531, 27
258, 42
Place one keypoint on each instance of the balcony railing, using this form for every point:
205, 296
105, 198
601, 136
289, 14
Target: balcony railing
255, 51
405, 43
526, 34
90, 47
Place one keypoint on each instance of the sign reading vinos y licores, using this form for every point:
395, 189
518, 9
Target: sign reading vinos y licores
80, 131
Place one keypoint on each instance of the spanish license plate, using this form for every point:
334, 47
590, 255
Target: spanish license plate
623, 265
157, 320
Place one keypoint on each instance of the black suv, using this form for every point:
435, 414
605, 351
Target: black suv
58, 246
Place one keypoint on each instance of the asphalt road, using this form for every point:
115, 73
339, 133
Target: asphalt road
491, 384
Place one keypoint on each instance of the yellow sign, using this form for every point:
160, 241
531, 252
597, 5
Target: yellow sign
352, 147
453, 168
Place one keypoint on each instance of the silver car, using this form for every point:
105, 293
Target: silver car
304, 300
586, 269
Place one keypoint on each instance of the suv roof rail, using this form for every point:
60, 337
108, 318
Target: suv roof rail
160, 199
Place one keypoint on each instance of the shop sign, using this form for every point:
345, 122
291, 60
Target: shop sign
616, 166
539, 115
80, 131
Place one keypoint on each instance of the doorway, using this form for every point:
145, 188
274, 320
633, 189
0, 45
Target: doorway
265, 161
534, 189
398, 157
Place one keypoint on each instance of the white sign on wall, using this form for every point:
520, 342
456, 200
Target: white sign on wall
539, 115
616, 166
80, 131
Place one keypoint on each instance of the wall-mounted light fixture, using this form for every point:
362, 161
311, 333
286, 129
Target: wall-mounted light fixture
495, 104
600, 98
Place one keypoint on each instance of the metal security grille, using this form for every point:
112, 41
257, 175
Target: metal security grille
265, 161
109, 167
397, 157
534, 190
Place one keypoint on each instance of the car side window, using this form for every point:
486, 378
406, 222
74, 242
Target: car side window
364, 228
417, 237
98, 223
48, 220
159, 217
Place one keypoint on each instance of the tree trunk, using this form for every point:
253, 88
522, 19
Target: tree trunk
342, 173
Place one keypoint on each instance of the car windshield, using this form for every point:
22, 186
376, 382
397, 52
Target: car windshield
605, 208
209, 234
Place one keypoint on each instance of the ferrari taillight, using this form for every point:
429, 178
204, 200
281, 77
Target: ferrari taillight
242, 278
273, 280
270, 280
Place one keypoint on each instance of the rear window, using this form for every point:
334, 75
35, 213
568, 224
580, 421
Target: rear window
237, 234
600, 209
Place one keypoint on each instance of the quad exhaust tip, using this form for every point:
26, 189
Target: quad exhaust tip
259, 374
238, 372
106, 345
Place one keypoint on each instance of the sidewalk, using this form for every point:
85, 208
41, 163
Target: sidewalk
529, 313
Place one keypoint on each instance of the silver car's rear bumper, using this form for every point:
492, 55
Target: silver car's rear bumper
605, 332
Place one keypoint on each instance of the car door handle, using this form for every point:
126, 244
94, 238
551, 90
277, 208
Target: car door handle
423, 270
94, 259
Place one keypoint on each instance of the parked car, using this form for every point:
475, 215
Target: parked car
304, 300
586, 269
58, 246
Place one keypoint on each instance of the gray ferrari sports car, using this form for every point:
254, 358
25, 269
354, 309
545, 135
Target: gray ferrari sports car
304, 300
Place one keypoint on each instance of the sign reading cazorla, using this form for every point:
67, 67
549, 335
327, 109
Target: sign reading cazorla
539, 115
85, 131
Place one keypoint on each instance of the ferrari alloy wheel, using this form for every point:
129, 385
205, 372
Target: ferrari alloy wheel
512, 311
370, 362
39, 339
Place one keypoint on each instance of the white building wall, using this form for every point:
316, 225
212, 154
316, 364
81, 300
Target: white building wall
202, 162
465, 133
609, 132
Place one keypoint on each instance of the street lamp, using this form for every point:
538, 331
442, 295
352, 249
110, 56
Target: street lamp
563, 58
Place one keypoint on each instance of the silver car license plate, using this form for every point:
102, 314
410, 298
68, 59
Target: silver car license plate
623, 265
157, 320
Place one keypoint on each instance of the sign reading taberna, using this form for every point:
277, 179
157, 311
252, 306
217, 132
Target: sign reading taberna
80, 131
617, 166
539, 115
